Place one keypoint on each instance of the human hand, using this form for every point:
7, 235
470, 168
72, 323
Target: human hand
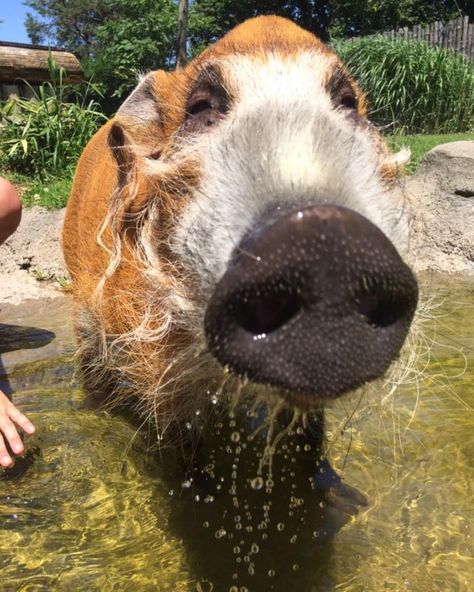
9, 416
10, 209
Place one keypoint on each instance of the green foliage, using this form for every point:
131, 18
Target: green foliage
411, 87
51, 193
115, 39
210, 19
46, 135
351, 18
140, 37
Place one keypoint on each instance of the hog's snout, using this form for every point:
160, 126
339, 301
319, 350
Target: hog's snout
318, 303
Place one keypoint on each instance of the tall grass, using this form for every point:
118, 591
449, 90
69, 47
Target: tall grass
44, 136
411, 87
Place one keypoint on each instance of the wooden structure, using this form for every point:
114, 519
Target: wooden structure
457, 35
20, 62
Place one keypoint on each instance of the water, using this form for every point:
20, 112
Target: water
91, 507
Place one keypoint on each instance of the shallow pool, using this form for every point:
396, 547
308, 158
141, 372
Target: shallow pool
91, 507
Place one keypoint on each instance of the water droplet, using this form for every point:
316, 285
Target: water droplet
235, 436
257, 484
205, 524
271, 573
220, 533
280, 526
254, 548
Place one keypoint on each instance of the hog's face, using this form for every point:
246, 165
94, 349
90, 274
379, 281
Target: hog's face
268, 214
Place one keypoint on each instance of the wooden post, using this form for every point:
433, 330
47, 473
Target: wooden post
465, 26
181, 58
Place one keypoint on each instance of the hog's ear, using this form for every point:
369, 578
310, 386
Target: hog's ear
122, 152
143, 114
143, 104
124, 197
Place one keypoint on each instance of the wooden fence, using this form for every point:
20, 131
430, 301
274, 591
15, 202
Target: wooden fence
457, 35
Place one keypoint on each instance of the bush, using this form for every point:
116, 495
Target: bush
411, 87
45, 135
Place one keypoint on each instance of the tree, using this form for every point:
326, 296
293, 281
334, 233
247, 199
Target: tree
365, 17
210, 19
72, 24
181, 51
115, 39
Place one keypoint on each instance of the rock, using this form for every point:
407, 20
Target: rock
441, 194
452, 167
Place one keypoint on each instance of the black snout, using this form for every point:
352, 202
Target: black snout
318, 303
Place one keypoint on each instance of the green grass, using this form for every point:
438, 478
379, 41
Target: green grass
51, 193
412, 88
421, 144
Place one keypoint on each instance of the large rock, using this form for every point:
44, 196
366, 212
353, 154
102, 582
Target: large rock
441, 193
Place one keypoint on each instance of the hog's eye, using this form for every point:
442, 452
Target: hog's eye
348, 100
203, 110
199, 106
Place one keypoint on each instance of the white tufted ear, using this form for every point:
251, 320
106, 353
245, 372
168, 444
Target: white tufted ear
142, 104
398, 160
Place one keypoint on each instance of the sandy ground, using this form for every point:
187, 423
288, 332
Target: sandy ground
31, 261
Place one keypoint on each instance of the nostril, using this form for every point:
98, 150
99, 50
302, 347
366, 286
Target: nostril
383, 307
265, 309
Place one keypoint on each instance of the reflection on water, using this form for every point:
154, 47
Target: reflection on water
92, 509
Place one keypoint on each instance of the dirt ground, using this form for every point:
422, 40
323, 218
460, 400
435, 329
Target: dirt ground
31, 261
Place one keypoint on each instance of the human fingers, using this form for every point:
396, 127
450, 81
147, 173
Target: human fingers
21, 420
